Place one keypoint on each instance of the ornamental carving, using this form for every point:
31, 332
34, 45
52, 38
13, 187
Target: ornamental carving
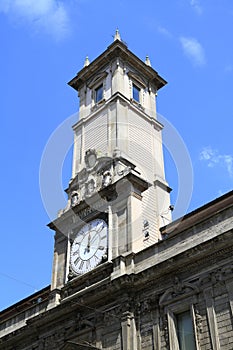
82, 177
90, 187
143, 307
90, 158
107, 178
74, 198
178, 290
198, 322
164, 327
217, 277
97, 174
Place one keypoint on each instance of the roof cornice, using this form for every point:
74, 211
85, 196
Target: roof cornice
116, 49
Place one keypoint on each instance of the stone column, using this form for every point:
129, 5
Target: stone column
211, 317
156, 330
128, 331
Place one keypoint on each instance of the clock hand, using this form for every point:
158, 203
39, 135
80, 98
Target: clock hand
93, 238
100, 228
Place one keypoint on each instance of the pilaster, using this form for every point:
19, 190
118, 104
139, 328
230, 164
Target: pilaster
211, 316
156, 330
128, 331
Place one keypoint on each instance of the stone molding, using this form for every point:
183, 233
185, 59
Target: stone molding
211, 316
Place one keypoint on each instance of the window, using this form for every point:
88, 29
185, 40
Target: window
99, 93
185, 332
181, 327
136, 93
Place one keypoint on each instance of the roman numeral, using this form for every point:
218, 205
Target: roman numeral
76, 261
100, 229
103, 237
88, 265
96, 259
75, 253
81, 265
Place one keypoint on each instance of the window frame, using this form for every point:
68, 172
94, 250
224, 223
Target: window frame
135, 87
141, 85
180, 327
99, 87
96, 82
172, 312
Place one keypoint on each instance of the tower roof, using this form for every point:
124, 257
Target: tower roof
117, 49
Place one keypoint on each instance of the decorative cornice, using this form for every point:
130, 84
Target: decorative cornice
199, 215
116, 49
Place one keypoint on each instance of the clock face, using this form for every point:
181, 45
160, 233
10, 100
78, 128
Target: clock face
89, 246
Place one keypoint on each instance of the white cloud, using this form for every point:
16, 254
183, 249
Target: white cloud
196, 6
49, 16
213, 158
164, 31
193, 50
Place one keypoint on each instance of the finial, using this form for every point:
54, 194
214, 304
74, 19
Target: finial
87, 62
147, 61
117, 35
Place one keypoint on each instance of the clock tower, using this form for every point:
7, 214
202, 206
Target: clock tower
120, 281
118, 197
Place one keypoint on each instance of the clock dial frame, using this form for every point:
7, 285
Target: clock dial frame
89, 246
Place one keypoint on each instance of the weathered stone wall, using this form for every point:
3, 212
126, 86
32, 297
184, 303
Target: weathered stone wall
134, 307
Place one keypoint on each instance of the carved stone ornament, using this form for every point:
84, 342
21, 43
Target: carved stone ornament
74, 198
107, 178
90, 158
198, 322
179, 289
143, 307
82, 176
90, 188
216, 277
164, 327
99, 173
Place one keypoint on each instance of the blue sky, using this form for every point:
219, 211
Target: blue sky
44, 44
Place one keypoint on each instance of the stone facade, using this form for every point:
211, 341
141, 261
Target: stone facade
151, 277
132, 301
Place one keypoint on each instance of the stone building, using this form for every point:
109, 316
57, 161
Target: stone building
121, 278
